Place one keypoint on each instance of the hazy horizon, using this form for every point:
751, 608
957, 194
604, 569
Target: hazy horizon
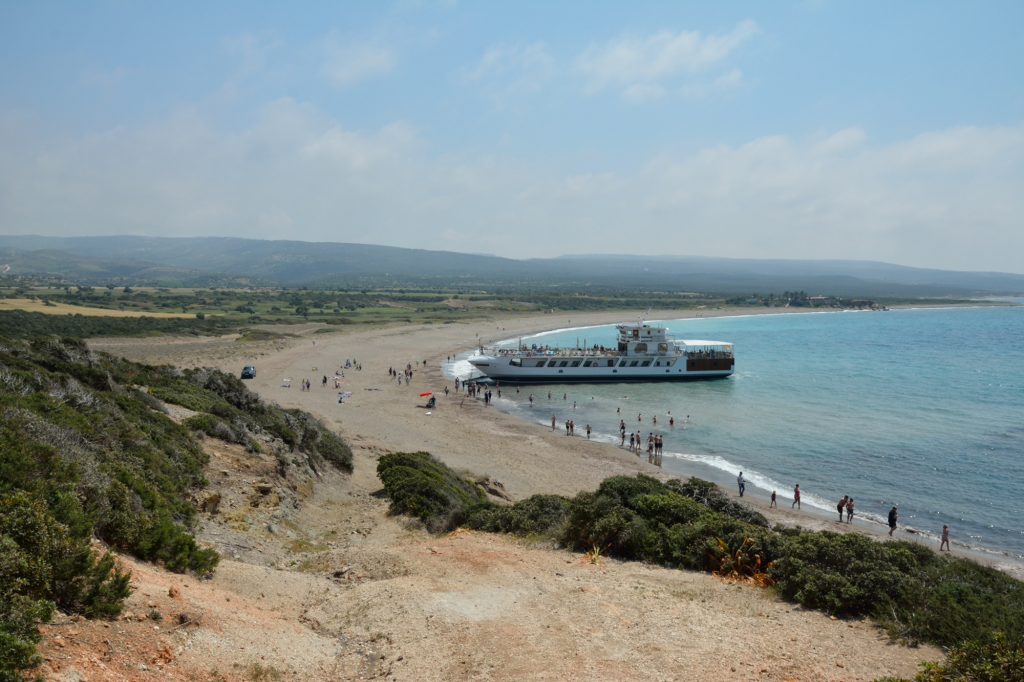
805, 130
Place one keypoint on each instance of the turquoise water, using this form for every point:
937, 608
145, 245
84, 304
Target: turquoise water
923, 409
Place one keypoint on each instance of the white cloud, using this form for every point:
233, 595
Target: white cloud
507, 72
347, 63
628, 63
948, 198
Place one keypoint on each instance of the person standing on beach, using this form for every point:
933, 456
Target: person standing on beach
773, 505
849, 510
588, 431
552, 422
796, 496
841, 507
741, 484
945, 538
893, 516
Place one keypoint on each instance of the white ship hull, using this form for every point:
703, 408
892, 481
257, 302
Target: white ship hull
500, 368
642, 353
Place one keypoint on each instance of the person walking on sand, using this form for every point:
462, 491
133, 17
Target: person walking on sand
893, 516
841, 507
773, 505
796, 496
741, 483
945, 538
849, 510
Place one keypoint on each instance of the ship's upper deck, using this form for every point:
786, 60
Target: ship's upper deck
633, 340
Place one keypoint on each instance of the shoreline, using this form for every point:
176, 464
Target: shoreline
816, 517
529, 458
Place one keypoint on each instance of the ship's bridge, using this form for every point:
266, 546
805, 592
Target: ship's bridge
643, 339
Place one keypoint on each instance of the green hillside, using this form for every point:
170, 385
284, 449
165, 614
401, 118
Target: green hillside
87, 451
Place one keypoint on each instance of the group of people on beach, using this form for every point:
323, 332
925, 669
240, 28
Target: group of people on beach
846, 506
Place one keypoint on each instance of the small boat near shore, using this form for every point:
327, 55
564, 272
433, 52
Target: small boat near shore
643, 353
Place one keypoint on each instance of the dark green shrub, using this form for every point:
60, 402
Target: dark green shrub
543, 515
991, 657
42, 564
419, 485
846, 574
712, 497
20, 617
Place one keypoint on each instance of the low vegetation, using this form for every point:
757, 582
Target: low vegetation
915, 594
87, 452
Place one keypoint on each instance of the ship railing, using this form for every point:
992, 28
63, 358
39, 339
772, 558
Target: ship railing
553, 353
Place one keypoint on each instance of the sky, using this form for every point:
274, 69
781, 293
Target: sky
809, 129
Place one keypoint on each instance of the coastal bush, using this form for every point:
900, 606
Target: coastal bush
233, 413
419, 485
992, 657
712, 497
44, 565
907, 588
916, 594
538, 515
87, 450
846, 574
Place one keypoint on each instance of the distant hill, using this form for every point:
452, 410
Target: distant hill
225, 261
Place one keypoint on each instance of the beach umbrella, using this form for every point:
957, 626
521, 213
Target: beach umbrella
424, 395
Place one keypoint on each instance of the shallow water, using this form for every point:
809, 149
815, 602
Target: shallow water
923, 409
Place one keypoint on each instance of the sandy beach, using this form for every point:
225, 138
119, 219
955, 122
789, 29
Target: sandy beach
383, 416
488, 607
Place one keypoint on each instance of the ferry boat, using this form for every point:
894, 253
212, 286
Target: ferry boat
643, 353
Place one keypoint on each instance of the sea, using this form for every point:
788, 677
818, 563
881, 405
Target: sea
922, 409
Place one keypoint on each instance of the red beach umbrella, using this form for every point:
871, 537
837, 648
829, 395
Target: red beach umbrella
424, 395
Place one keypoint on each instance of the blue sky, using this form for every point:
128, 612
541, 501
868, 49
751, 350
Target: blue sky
870, 130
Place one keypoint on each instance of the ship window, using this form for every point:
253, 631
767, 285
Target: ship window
541, 363
563, 363
575, 363
622, 364
645, 363
670, 362
640, 348
611, 363
662, 347
633, 364
586, 363
551, 363
516, 362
